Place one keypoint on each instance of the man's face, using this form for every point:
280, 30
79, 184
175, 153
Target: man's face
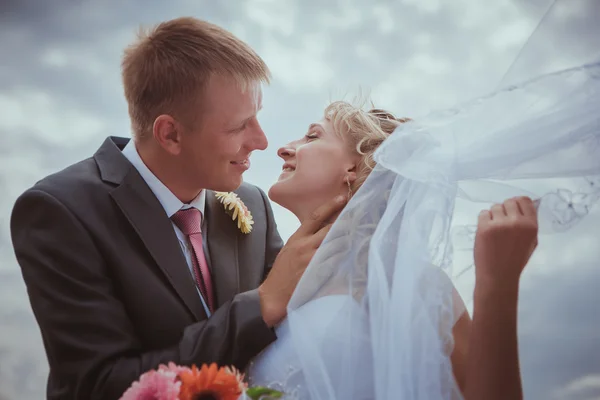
216, 152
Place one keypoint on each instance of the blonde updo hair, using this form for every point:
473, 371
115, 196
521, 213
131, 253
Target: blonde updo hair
364, 131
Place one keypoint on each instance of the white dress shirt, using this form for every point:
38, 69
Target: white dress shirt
171, 205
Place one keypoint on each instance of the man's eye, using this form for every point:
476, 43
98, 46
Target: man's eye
241, 128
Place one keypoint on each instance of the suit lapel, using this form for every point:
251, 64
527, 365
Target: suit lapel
222, 243
146, 215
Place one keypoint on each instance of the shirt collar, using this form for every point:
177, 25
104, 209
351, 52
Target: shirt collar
167, 199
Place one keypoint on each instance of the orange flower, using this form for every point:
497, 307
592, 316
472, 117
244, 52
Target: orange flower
210, 382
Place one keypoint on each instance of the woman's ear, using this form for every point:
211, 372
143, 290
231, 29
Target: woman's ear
350, 175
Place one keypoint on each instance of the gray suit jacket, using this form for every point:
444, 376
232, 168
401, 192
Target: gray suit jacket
109, 285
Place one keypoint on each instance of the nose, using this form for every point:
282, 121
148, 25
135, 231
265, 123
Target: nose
260, 141
286, 151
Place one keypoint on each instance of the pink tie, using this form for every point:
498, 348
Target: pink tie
190, 223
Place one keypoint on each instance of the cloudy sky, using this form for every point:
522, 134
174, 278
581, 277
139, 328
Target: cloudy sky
61, 95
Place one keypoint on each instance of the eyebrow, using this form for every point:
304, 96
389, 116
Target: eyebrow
245, 120
313, 126
259, 109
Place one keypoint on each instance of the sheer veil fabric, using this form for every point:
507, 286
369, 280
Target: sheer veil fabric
372, 316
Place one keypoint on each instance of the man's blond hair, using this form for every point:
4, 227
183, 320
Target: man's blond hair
167, 68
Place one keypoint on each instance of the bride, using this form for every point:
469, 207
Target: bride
376, 314
379, 313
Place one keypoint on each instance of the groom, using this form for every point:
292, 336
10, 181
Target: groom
129, 257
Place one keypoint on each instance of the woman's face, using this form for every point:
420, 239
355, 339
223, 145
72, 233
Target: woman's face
316, 168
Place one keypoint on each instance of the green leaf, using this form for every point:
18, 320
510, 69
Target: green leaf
262, 393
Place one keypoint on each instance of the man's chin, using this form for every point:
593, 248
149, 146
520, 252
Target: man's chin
230, 185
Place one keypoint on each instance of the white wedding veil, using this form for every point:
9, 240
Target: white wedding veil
393, 249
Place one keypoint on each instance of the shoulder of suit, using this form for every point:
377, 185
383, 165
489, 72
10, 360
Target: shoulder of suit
76, 181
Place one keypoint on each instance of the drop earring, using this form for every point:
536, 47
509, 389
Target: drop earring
349, 188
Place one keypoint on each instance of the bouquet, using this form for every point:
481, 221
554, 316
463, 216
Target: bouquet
209, 382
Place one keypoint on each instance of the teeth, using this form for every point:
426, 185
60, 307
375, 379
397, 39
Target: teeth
288, 169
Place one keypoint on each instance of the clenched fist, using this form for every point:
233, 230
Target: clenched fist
505, 240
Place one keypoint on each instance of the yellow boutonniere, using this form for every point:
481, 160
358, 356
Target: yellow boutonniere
236, 208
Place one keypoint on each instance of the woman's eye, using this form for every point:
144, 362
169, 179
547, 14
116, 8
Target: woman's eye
311, 136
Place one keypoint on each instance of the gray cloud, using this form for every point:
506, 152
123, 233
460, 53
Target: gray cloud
559, 330
60, 96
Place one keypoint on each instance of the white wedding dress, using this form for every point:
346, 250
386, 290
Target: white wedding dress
331, 316
279, 366
372, 316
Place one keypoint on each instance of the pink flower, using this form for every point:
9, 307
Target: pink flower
155, 385
172, 367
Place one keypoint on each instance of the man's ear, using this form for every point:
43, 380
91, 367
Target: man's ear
166, 134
